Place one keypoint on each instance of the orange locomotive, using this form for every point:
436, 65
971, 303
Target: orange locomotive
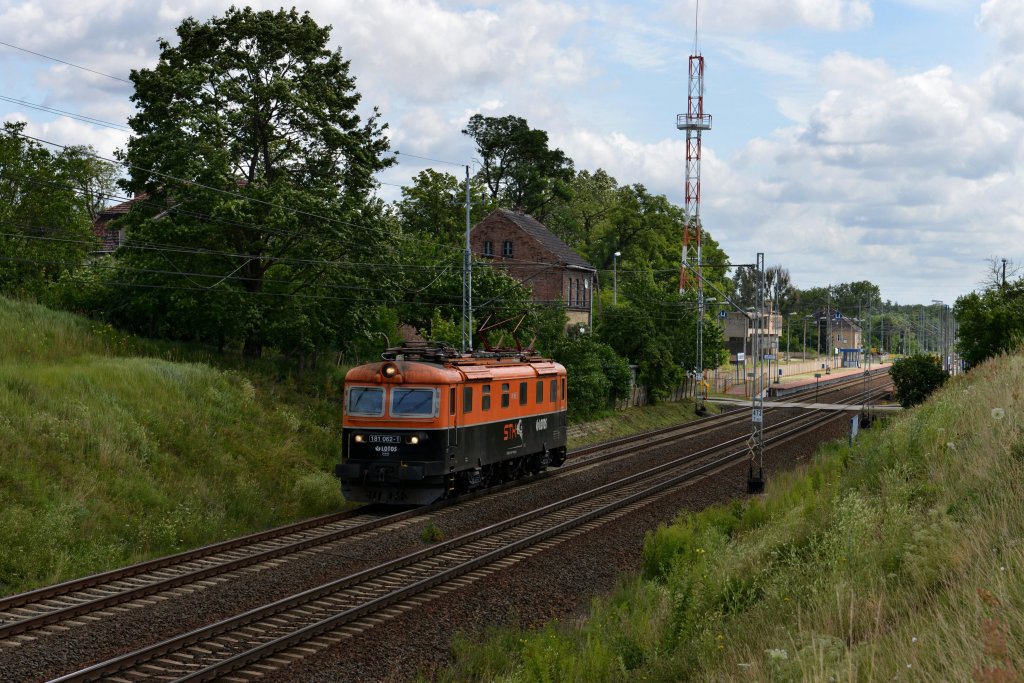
428, 423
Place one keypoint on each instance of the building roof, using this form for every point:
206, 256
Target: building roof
531, 226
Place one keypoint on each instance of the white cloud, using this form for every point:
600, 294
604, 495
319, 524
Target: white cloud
437, 54
764, 57
1004, 19
761, 15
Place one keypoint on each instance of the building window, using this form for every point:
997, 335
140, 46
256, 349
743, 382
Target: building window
506, 248
488, 248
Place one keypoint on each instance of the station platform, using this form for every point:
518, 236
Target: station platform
790, 385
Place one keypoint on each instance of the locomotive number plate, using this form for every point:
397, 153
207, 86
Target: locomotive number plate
383, 438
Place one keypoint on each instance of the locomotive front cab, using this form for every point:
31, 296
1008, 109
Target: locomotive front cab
394, 439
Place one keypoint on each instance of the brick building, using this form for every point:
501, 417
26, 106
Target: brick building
112, 239
537, 258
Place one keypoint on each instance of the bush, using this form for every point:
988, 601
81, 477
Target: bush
597, 376
915, 377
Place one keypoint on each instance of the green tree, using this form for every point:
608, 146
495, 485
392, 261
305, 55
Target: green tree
260, 174
44, 224
433, 207
597, 375
579, 218
991, 322
93, 180
916, 377
519, 168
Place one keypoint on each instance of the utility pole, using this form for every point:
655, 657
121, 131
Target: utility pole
467, 280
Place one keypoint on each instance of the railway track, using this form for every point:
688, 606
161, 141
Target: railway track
252, 644
27, 616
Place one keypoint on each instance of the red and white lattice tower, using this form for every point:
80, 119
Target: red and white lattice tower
694, 122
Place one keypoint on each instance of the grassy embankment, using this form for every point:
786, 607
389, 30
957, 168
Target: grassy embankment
114, 449
898, 559
110, 454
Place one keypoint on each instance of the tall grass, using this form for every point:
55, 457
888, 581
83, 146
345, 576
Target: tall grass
108, 456
897, 559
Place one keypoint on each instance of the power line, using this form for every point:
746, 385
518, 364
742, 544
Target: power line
437, 161
54, 59
78, 117
454, 251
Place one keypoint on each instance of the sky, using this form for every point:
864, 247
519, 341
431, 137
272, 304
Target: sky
851, 139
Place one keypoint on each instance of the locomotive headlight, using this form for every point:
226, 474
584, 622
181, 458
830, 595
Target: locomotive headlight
414, 440
358, 438
389, 370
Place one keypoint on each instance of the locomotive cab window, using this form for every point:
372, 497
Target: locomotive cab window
522, 393
485, 399
504, 395
368, 401
413, 402
467, 399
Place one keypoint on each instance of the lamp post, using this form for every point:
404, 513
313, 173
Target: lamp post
789, 326
615, 277
806, 318
817, 348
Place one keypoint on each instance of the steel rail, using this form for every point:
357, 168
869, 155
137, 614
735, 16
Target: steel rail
54, 611
167, 647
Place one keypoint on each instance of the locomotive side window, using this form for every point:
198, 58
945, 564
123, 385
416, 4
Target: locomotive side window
540, 392
368, 401
413, 402
485, 399
467, 399
554, 391
522, 393
504, 395
451, 401
563, 388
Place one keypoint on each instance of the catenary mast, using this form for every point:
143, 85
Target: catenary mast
694, 122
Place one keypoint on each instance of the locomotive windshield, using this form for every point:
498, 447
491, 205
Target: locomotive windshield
413, 402
366, 401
